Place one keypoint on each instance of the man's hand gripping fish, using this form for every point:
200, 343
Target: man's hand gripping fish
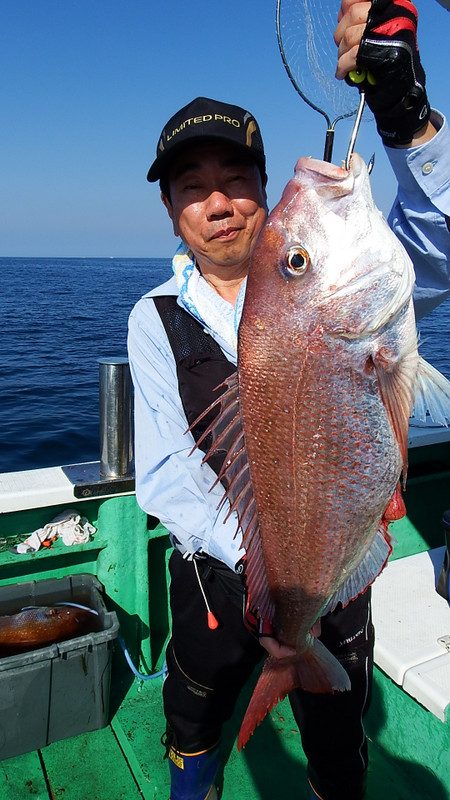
315, 420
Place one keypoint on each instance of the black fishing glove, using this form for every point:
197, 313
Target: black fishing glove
395, 84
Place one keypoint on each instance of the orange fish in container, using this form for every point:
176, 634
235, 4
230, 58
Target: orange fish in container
39, 626
315, 420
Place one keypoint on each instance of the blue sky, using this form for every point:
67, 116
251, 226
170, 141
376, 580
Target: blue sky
88, 85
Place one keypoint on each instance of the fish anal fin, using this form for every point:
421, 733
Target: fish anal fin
366, 571
315, 670
396, 378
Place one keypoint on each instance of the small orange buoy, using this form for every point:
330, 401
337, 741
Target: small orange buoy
212, 621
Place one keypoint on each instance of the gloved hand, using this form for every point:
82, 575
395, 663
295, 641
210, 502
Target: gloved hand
395, 80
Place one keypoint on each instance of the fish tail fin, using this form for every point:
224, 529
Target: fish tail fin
316, 670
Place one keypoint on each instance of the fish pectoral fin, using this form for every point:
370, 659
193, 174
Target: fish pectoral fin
432, 395
315, 670
227, 434
396, 380
365, 573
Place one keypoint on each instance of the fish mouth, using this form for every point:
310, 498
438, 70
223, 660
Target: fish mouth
331, 180
332, 171
326, 180
322, 168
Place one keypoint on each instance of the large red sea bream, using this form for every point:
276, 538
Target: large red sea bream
315, 421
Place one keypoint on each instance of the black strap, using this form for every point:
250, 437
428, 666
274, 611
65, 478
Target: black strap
201, 368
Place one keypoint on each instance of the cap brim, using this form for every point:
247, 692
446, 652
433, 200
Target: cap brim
162, 163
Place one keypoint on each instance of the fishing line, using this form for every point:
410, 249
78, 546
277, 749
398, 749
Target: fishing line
62, 603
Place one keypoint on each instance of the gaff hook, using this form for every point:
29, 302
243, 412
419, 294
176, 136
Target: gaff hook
356, 124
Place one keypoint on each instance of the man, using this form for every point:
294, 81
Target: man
182, 343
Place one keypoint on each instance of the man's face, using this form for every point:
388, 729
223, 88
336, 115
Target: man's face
217, 205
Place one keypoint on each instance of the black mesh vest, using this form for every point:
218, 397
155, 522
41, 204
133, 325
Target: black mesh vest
201, 366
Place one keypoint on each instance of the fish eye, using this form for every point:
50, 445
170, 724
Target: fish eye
297, 260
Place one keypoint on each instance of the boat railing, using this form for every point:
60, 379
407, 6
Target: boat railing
114, 472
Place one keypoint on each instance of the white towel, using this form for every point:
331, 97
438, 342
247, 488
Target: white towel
68, 526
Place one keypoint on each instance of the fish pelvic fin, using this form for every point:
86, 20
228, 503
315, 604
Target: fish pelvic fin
226, 433
396, 508
315, 670
432, 395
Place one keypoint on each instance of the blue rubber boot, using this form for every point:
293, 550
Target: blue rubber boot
192, 776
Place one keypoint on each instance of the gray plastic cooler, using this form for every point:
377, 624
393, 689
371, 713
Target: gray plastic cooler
63, 689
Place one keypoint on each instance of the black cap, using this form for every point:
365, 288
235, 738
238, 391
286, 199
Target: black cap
205, 118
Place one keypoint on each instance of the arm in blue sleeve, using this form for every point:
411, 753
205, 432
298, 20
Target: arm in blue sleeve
420, 213
172, 485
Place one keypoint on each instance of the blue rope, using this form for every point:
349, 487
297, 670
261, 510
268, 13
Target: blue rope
140, 675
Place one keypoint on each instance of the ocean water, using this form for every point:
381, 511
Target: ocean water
58, 316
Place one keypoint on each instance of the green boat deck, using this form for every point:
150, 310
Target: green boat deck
409, 747
124, 762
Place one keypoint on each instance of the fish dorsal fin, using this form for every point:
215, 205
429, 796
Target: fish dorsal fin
227, 435
396, 380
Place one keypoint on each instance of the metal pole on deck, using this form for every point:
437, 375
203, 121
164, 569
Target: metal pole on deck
116, 439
